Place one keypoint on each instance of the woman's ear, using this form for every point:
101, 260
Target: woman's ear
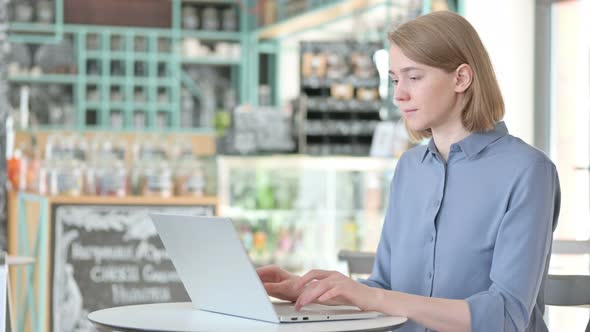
463, 77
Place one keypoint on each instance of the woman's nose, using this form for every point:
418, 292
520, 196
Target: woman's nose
400, 93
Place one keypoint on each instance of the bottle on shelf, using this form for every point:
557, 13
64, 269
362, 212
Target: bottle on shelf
23, 11
14, 169
45, 12
210, 19
112, 178
66, 178
106, 173
157, 180
190, 18
230, 19
190, 178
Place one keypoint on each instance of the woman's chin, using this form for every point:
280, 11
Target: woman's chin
416, 126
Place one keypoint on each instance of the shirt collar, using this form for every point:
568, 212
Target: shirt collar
474, 143
430, 149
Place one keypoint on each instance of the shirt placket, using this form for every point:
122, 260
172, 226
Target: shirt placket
432, 234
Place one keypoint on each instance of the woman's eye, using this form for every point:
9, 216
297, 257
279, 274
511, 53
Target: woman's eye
394, 82
414, 78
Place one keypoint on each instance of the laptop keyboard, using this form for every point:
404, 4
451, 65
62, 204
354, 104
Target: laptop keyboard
289, 310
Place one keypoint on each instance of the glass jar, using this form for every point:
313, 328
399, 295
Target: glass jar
90, 185
230, 19
150, 149
112, 179
210, 19
45, 12
66, 178
43, 179
108, 147
23, 12
190, 18
136, 177
157, 181
190, 178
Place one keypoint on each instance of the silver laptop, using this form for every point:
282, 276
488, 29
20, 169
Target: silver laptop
219, 277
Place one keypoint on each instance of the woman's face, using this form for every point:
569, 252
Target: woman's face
426, 96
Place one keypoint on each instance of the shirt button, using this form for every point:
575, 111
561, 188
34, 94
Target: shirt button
429, 275
436, 203
432, 238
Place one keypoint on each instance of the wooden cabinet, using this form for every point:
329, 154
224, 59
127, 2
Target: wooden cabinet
91, 253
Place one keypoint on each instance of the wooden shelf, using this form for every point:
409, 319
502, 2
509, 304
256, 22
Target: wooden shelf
212, 60
133, 200
43, 78
317, 17
213, 35
126, 200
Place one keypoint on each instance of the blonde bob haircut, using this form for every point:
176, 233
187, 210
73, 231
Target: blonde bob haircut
446, 40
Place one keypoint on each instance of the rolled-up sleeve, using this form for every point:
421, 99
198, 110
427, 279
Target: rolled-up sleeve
521, 252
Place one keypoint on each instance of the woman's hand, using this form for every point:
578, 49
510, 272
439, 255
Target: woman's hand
279, 283
334, 288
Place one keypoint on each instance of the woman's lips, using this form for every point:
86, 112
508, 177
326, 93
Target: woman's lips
409, 111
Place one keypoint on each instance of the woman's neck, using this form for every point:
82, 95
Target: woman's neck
445, 136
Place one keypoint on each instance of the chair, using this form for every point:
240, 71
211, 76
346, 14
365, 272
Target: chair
358, 262
568, 290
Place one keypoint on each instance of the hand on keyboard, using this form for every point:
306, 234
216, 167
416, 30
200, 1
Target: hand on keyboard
279, 283
334, 288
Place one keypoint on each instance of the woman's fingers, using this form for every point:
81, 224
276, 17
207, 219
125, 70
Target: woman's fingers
272, 287
281, 284
330, 294
281, 290
312, 275
271, 273
312, 293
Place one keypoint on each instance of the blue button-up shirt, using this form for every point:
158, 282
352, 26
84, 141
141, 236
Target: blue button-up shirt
477, 227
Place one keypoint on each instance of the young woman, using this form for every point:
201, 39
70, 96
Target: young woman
466, 241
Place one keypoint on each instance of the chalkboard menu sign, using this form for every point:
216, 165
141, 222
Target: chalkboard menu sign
109, 256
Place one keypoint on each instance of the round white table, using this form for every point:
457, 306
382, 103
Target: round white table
182, 317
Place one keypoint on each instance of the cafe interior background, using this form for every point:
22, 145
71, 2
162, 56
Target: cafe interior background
276, 113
